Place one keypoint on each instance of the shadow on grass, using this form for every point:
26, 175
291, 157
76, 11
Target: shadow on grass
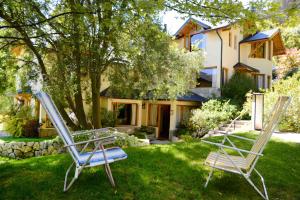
174, 171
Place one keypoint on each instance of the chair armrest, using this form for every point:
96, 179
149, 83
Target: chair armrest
104, 140
241, 137
230, 147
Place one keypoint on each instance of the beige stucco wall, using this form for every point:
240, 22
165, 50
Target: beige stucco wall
262, 64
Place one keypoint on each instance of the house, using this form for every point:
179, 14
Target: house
227, 50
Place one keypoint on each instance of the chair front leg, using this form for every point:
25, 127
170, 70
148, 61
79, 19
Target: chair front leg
107, 167
209, 176
76, 174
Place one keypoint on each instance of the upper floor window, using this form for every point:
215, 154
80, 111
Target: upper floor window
229, 39
270, 50
258, 50
187, 42
199, 41
235, 42
207, 77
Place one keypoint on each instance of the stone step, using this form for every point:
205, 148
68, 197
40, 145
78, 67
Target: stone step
236, 125
243, 122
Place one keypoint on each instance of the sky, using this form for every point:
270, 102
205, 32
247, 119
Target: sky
174, 20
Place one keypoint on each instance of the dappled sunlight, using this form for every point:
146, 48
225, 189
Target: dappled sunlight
174, 171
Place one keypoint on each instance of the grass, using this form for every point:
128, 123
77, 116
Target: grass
21, 139
173, 171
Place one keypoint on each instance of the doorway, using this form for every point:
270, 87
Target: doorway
164, 121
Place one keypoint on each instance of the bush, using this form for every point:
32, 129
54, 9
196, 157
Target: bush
22, 123
108, 118
237, 87
211, 115
287, 87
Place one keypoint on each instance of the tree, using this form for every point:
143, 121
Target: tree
73, 44
288, 62
237, 87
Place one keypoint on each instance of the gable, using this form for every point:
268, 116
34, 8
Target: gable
190, 26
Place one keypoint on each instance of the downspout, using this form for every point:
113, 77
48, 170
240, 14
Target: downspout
221, 62
239, 50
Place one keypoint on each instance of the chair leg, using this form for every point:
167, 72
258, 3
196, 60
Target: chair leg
109, 175
76, 174
265, 195
209, 176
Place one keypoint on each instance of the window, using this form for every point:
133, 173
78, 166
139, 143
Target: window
126, 113
229, 39
270, 50
207, 77
258, 50
198, 41
269, 81
225, 75
260, 80
182, 114
187, 42
153, 115
235, 42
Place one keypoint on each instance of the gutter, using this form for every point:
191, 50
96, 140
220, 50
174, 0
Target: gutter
221, 61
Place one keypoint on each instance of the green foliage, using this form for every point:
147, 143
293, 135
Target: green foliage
237, 87
285, 87
125, 140
187, 138
182, 131
288, 63
5, 104
212, 114
22, 123
108, 118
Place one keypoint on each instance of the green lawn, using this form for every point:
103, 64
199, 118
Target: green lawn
20, 139
173, 171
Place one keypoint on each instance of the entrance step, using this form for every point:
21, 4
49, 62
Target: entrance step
239, 125
159, 142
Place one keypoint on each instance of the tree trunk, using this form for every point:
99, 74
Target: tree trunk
80, 114
96, 84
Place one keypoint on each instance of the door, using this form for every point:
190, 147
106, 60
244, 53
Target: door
164, 121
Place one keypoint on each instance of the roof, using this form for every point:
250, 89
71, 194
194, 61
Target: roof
240, 65
189, 96
262, 35
205, 26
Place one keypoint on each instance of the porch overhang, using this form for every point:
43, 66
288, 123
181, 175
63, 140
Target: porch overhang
241, 67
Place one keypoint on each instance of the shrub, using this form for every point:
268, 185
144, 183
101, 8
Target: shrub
237, 87
22, 123
211, 115
108, 118
287, 87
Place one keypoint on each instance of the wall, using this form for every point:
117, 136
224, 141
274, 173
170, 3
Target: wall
262, 64
19, 150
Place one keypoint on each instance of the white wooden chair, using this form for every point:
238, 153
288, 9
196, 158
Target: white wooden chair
81, 159
244, 163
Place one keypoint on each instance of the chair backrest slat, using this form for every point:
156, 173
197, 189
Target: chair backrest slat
268, 128
58, 122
